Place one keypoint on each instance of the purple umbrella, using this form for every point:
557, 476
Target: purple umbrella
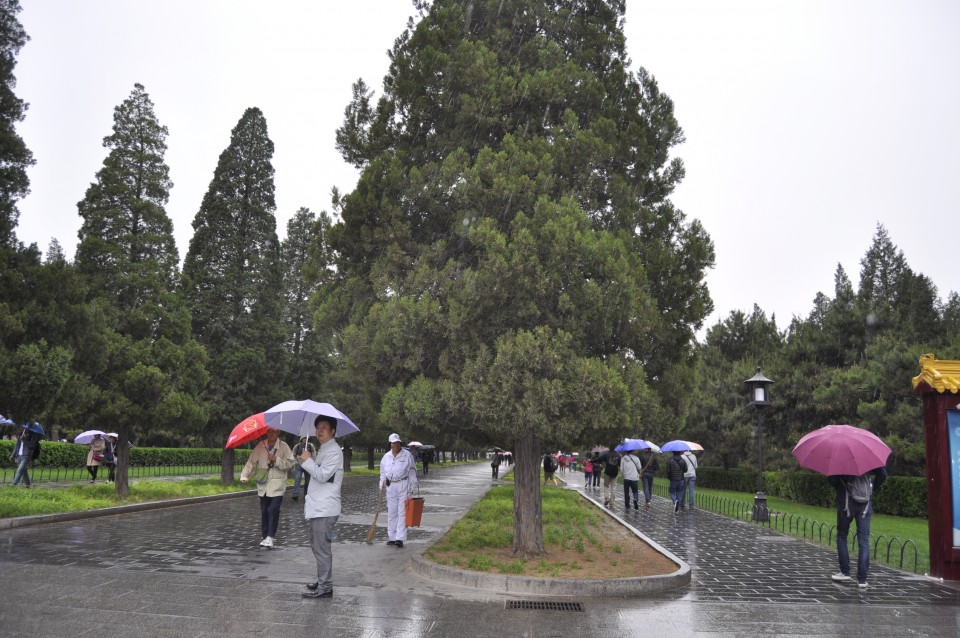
841, 450
297, 417
676, 446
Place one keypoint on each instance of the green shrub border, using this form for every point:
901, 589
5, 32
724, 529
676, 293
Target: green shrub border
900, 495
56, 454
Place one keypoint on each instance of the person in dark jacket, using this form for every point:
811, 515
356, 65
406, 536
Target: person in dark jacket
676, 468
610, 462
22, 455
650, 466
110, 457
851, 505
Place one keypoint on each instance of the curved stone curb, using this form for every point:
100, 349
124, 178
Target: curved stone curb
638, 586
41, 519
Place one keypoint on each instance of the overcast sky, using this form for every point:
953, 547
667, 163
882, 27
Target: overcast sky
808, 122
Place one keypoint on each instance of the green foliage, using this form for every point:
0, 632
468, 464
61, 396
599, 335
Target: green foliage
15, 157
233, 282
57, 454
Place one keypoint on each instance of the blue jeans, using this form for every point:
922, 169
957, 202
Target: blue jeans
676, 491
691, 482
647, 480
862, 513
23, 460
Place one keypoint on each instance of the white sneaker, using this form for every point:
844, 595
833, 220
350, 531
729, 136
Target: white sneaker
840, 577
263, 543
268, 541
862, 585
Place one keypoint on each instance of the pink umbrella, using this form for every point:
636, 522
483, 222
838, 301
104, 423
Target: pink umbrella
841, 449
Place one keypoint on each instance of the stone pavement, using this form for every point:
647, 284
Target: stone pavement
197, 571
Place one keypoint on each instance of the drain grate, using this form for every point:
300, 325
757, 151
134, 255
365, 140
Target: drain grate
544, 605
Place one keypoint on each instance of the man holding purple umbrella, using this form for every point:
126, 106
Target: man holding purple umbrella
854, 496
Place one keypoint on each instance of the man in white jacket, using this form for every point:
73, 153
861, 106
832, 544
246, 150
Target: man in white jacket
269, 463
398, 473
690, 476
321, 506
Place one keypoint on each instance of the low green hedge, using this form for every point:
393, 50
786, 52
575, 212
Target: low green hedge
900, 495
55, 454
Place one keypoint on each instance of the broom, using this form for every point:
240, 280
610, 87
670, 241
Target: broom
373, 525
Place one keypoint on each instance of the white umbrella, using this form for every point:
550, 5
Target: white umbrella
85, 437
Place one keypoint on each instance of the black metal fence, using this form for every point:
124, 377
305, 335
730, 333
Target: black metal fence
80, 474
894, 552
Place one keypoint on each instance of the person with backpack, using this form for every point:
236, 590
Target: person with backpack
854, 501
549, 469
495, 464
676, 468
611, 468
650, 466
630, 466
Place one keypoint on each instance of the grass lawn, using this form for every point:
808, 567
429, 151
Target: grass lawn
17, 501
581, 541
819, 525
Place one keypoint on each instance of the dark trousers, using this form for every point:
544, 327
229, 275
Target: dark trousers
647, 480
861, 513
93, 469
629, 486
270, 515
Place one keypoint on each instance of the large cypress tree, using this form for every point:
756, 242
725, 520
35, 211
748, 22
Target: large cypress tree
512, 270
233, 280
150, 369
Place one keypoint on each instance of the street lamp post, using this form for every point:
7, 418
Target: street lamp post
759, 386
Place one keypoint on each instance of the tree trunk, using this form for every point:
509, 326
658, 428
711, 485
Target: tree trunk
226, 466
122, 459
527, 513
347, 458
369, 457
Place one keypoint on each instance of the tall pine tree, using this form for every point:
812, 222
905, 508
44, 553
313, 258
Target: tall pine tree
232, 280
150, 369
15, 157
512, 270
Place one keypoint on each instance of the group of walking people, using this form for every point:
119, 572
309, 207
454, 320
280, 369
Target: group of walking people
321, 470
102, 451
636, 469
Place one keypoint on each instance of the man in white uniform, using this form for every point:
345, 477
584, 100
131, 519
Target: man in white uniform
398, 473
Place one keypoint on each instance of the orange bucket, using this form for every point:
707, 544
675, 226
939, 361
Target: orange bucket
414, 507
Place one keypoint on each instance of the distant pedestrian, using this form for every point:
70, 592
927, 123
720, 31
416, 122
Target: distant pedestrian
322, 501
549, 469
398, 475
95, 456
495, 464
298, 474
630, 467
597, 469
269, 464
563, 463
110, 457
587, 472
690, 476
676, 468
22, 455
855, 502
425, 457
611, 468
650, 466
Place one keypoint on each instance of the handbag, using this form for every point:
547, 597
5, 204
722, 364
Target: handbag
97, 456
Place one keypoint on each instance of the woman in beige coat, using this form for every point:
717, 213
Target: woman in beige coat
95, 456
268, 464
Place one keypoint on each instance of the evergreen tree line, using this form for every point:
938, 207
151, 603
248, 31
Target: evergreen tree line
850, 360
509, 269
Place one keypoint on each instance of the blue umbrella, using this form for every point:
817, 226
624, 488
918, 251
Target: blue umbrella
676, 446
629, 445
5, 421
35, 427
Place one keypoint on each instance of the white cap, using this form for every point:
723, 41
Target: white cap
394, 438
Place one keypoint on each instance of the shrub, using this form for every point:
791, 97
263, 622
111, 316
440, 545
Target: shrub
56, 454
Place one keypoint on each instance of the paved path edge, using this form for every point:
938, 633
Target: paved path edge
639, 586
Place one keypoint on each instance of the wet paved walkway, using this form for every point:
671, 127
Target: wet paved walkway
197, 571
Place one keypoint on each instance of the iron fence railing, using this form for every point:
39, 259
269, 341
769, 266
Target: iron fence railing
79, 474
895, 551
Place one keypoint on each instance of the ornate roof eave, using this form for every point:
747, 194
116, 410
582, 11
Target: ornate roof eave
937, 376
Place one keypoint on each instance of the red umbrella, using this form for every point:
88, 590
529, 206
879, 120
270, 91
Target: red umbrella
841, 449
252, 427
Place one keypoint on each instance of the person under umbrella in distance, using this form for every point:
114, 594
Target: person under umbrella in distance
95, 456
398, 473
22, 454
298, 473
269, 462
321, 505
